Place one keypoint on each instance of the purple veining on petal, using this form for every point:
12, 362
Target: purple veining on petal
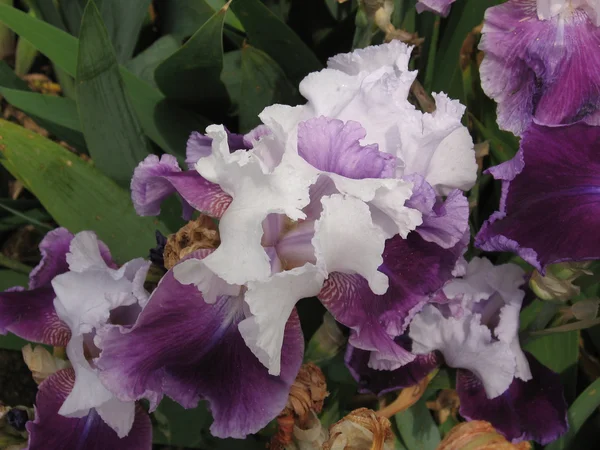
416, 270
381, 382
559, 185
31, 315
441, 7
333, 146
156, 179
545, 70
51, 431
190, 350
533, 410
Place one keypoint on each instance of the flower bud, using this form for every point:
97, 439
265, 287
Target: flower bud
359, 430
557, 284
478, 435
195, 235
326, 342
12, 426
41, 363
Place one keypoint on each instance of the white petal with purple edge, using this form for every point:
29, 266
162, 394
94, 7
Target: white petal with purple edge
346, 240
256, 194
271, 302
467, 344
194, 271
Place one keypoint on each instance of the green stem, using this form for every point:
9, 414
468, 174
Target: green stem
14, 265
582, 324
433, 43
26, 217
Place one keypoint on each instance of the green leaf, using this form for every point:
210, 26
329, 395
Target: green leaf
182, 18
58, 115
144, 64
10, 278
114, 136
193, 73
417, 427
583, 407
57, 45
77, 195
168, 125
559, 352
123, 20
232, 75
59, 110
177, 426
263, 84
465, 16
266, 32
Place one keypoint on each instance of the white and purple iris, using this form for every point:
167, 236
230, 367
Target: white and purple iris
356, 198
472, 324
74, 292
341, 198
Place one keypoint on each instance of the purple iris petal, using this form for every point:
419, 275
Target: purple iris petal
51, 431
156, 179
54, 248
380, 382
190, 350
31, 315
441, 7
333, 146
533, 410
444, 222
416, 269
199, 145
547, 70
551, 207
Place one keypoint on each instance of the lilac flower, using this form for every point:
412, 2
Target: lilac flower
75, 290
472, 324
324, 203
542, 62
542, 186
441, 7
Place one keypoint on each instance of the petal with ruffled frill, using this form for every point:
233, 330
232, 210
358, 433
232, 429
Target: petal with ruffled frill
189, 350
52, 431
156, 179
416, 270
533, 410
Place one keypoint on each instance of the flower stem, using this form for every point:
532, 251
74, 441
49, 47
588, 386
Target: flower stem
14, 265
